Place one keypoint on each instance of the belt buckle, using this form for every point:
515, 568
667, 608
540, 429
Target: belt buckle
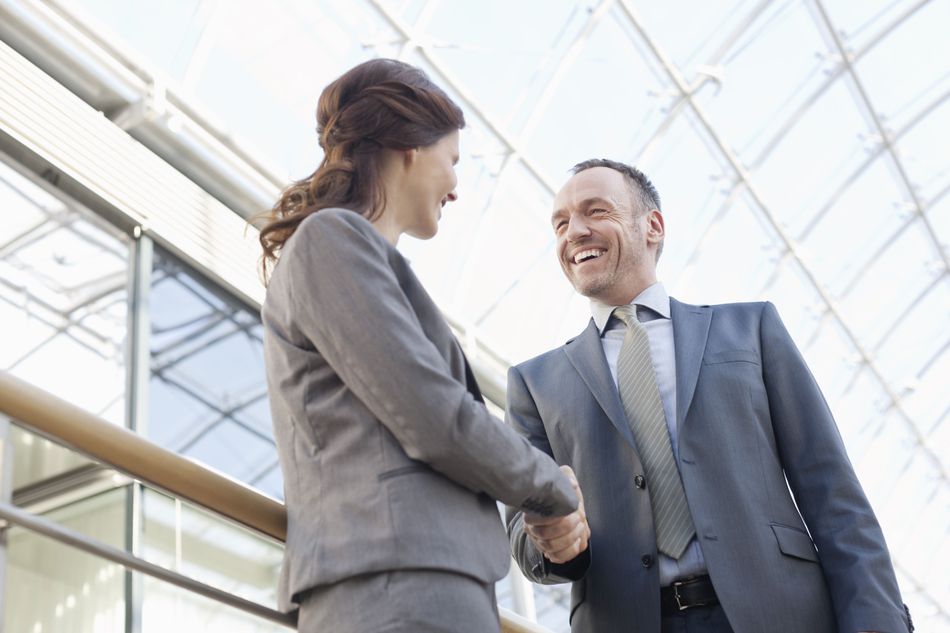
676, 595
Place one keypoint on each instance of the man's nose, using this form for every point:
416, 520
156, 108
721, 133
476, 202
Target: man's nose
577, 228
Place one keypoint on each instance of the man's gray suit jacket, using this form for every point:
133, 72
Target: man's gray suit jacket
749, 417
389, 460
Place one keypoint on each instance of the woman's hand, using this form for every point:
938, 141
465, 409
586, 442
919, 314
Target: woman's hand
560, 539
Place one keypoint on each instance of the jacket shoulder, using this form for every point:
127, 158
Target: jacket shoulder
736, 307
337, 234
325, 246
540, 360
335, 220
745, 307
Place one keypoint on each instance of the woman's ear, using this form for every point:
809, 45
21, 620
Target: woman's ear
409, 156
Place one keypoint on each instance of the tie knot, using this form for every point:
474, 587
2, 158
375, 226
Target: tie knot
627, 314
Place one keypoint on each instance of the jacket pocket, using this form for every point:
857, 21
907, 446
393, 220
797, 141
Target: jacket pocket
795, 542
731, 356
403, 470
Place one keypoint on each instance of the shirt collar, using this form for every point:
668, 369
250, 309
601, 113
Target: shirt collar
653, 297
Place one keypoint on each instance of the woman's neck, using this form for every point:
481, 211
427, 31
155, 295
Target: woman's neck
387, 226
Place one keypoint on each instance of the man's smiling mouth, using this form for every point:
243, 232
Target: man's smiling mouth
587, 255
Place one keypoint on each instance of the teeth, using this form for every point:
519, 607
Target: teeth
591, 253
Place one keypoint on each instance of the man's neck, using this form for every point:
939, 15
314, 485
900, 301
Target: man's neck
626, 295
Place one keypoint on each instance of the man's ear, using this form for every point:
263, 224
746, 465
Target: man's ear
656, 229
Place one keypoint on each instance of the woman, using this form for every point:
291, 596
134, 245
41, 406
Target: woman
391, 461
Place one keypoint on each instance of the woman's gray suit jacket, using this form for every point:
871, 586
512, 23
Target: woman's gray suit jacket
389, 460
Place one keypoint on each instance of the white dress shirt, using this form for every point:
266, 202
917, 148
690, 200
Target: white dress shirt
653, 311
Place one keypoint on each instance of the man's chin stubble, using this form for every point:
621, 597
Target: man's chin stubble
591, 290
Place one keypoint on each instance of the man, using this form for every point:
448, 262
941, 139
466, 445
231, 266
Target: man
683, 424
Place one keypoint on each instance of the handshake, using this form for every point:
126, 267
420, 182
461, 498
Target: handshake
560, 539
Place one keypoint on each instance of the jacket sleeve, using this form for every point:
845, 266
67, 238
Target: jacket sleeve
347, 301
850, 543
522, 414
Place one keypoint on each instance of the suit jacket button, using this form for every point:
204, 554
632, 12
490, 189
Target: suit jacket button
647, 561
639, 481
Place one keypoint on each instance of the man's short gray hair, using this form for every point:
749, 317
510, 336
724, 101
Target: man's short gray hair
643, 190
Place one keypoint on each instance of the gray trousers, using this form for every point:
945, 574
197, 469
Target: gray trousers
408, 601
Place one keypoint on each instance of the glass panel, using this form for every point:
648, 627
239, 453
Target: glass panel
913, 336
764, 77
938, 211
897, 275
552, 603
506, 66
920, 41
63, 276
873, 198
406, 10
921, 157
197, 544
925, 397
703, 277
582, 118
207, 396
857, 21
814, 159
694, 33
36, 459
147, 24
51, 587
168, 608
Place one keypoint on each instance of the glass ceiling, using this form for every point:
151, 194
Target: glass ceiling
799, 148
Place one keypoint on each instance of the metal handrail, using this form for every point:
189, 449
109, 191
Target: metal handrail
137, 457
81, 541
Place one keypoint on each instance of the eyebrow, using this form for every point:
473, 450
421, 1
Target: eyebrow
586, 202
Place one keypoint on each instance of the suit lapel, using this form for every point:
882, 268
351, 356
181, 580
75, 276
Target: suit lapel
690, 328
586, 354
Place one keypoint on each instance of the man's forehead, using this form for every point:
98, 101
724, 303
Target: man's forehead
597, 183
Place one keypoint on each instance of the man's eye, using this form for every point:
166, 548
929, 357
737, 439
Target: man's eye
598, 210
560, 225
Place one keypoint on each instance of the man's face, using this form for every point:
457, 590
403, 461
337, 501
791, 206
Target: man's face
601, 242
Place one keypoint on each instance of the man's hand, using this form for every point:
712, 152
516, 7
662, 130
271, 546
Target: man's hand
560, 539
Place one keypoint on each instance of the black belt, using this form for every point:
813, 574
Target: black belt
686, 594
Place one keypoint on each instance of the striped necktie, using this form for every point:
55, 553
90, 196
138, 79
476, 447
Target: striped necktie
640, 396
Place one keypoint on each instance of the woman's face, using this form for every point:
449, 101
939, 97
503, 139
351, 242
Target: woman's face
429, 185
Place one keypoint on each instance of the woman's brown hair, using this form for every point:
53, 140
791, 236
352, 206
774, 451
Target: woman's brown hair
379, 104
